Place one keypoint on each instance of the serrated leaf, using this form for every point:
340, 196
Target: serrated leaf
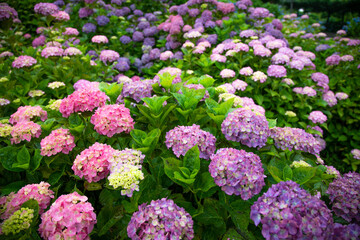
23, 159
301, 175
287, 173
191, 159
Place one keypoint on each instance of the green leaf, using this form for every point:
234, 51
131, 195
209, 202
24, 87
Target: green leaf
259, 99
301, 175
166, 80
55, 176
8, 158
74, 120
191, 159
155, 103
205, 182
287, 173
180, 178
107, 218
272, 122
23, 159
35, 161
111, 90
12, 187
232, 235
206, 81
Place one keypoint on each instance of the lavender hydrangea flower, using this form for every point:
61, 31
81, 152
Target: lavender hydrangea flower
228, 167
276, 71
89, 28
344, 194
288, 212
161, 219
46, 8
182, 138
247, 127
7, 12
317, 117
330, 98
136, 90
125, 39
289, 138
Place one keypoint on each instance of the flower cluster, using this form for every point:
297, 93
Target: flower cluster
82, 100
39, 192
227, 73
52, 52
276, 71
93, 162
330, 98
289, 138
23, 61
136, 90
99, 39
18, 221
7, 12
26, 113
112, 119
301, 163
237, 172
317, 117
344, 194
288, 212
84, 84
310, 92
125, 170
72, 51
69, 217
355, 153
322, 80
108, 56
59, 140
161, 219
5, 129
346, 232
182, 138
25, 130
259, 76
247, 127
54, 85
46, 8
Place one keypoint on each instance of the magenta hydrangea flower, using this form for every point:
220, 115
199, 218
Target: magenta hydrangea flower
317, 117
99, 39
247, 71
289, 138
25, 130
288, 212
82, 100
23, 61
39, 192
161, 219
46, 8
330, 98
26, 113
52, 52
93, 162
108, 56
227, 73
112, 119
182, 138
276, 71
69, 217
59, 140
344, 194
247, 127
237, 172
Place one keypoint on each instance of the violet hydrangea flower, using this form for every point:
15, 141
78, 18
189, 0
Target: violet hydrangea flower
182, 138
46, 8
161, 219
288, 212
344, 194
237, 172
70, 216
247, 127
59, 140
112, 119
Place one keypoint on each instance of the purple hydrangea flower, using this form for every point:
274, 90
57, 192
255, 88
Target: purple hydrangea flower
136, 90
344, 194
89, 28
288, 212
102, 20
317, 117
346, 232
138, 36
125, 39
237, 172
276, 71
7, 12
161, 219
85, 12
46, 8
289, 138
182, 138
247, 127
330, 98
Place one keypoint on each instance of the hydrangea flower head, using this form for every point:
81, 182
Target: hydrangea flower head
330, 98
23, 61
52, 52
93, 162
46, 8
288, 212
344, 194
317, 117
59, 140
247, 71
276, 71
355, 153
99, 39
69, 217
25, 130
237, 172
161, 219
26, 113
182, 138
112, 119
227, 73
108, 56
341, 96
82, 100
20, 220
247, 127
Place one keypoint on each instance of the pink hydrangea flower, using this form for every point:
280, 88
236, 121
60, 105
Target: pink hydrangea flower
99, 39
227, 73
259, 76
61, 16
341, 96
26, 113
108, 56
317, 117
25, 130
166, 55
52, 52
93, 163
59, 140
112, 119
276, 71
23, 61
84, 84
82, 100
72, 51
239, 85
69, 217
69, 31
39, 192
217, 58
247, 71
